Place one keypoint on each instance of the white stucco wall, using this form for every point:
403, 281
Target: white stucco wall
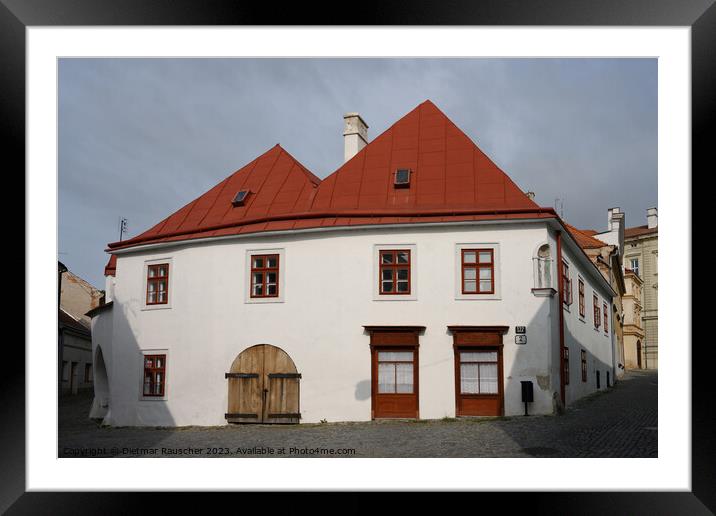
328, 295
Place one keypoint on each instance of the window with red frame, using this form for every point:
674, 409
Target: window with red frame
566, 285
158, 284
394, 272
154, 375
264, 275
597, 311
581, 298
566, 365
478, 271
584, 366
606, 318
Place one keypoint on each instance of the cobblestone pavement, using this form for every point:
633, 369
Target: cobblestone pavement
619, 422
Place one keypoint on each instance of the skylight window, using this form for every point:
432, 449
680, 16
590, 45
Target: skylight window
402, 178
240, 198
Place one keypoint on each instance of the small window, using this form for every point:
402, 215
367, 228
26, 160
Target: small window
264, 275
584, 366
597, 312
634, 265
240, 198
88, 373
158, 284
606, 318
154, 375
478, 271
402, 178
566, 365
394, 267
566, 285
581, 298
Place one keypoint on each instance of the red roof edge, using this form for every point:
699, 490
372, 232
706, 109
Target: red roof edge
111, 268
340, 213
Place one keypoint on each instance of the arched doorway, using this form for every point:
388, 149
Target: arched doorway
638, 354
263, 387
100, 404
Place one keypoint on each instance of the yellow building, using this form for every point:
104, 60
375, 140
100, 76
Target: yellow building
632, 327
641, 253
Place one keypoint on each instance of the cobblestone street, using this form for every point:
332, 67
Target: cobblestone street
619, 422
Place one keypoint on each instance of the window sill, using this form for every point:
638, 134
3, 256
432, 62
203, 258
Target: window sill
582, 319
263, 300
146, 308
544, 292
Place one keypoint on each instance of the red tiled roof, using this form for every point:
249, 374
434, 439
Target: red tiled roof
111, 268
638, 231
452, 179
590, 232
584, 240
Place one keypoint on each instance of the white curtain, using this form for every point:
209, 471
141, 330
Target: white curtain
404, 375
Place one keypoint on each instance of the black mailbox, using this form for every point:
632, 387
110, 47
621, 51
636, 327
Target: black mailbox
527, 393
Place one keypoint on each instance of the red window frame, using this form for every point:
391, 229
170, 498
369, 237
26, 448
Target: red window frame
394, 267
157, 280
597, 311
566, 285
152, 371
606, 318
565, 352
581, 298
477, 266
584, 365
264, 271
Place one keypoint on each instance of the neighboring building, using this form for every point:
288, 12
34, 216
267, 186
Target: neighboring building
415, 281
633, 331
76, 345
641, 255
76, 297
606, 257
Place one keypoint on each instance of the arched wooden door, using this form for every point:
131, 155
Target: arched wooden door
263, 387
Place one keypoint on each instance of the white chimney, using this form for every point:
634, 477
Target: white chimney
651, 218
531, 195
355, 135
614, 235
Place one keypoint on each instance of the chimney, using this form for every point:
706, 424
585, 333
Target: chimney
531, 195
651, 218
355, 135
615, 229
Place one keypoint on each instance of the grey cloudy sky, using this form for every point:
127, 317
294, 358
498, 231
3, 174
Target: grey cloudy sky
142, 137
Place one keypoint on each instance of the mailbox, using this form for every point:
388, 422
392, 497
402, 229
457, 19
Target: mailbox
527, 393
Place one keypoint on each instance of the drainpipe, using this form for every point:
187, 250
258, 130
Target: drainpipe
560, 288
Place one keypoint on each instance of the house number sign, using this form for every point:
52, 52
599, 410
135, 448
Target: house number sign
520, 339
521, 329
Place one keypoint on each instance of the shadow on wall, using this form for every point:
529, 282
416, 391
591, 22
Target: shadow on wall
120, 374
363, 390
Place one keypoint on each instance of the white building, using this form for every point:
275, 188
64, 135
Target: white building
398, 286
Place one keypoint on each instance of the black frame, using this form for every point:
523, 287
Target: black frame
700, 15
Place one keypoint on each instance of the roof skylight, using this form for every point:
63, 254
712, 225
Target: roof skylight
240, 198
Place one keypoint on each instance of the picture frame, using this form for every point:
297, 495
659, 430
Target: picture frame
16, 16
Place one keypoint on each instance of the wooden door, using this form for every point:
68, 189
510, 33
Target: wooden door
638, 354
478, 385
263, 387
395, 382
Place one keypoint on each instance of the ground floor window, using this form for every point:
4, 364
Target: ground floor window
154, 375
478, 372
395, 371
584, 366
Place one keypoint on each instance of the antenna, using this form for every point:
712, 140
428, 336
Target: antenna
122, 227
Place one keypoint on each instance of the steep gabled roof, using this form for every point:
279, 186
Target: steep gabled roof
278, 185
448, 171
451, 180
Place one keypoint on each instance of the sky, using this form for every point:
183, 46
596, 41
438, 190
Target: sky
139, 138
